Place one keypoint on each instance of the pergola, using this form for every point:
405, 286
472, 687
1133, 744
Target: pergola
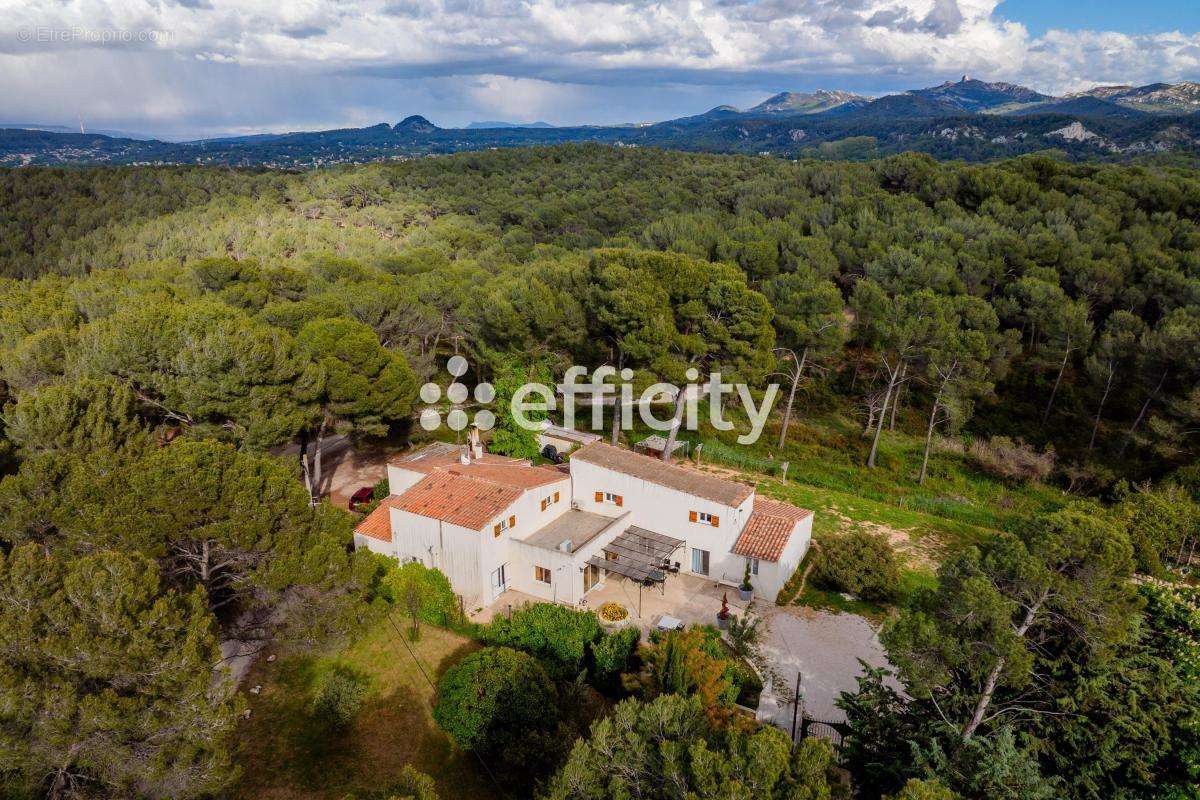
638, 554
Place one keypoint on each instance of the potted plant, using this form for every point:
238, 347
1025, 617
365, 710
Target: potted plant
746, 590
723, 614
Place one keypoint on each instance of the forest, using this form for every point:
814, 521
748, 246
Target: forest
166, 332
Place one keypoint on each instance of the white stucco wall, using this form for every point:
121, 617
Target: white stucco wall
772, 576
566, 569
666, 511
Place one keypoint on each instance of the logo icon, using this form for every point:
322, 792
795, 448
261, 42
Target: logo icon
456, 395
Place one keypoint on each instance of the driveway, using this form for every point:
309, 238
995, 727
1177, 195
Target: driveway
822, 647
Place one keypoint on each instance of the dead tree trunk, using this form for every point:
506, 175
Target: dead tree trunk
1142, 414
787, 411
893, 377
1061, 368
1100, 409
933, 420
676, 421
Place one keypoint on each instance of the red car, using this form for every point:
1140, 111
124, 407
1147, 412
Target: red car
361, 497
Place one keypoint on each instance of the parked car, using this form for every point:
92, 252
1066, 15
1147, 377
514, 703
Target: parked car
361, 497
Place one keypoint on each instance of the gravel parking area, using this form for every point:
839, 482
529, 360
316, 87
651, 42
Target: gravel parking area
825, 648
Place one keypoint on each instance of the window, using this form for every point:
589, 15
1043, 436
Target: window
541, 574
704, 518
503, 525
549, 500
753, 565
699, 561
609, 497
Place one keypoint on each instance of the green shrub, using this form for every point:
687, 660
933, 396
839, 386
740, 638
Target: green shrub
1161, 525
339, 696
411, 785
500, 703
415, 587
558, 635
612, 656
860, 563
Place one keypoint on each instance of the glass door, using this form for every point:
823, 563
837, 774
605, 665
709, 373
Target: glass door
499, 581
591, 576
699, 561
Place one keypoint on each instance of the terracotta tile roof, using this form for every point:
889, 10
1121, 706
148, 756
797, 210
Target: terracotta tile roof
652, 470
451, 496
767, 531
378, 524
518, 476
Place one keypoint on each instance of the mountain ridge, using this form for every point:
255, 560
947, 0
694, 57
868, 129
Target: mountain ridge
967, 119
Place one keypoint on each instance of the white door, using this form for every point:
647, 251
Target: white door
499, 581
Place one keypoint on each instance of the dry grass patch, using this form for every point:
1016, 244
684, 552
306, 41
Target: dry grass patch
286, 754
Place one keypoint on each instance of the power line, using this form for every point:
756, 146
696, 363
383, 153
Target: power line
432, 685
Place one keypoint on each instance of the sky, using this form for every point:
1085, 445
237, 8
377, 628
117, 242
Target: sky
183, 69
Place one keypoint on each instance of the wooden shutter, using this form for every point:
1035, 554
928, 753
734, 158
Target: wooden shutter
715, 520
691, 516
543, 505
619, 500
599, 497
496, 529
556, 497
512, 522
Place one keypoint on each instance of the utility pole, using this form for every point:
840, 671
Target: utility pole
796, 706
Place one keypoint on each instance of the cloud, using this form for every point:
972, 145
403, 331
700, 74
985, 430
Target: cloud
292, 63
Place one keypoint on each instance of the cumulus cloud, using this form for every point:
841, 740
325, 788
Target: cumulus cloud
291, 63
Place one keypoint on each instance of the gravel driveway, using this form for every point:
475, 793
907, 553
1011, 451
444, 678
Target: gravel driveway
825, 647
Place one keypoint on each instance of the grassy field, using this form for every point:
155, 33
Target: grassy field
284, 754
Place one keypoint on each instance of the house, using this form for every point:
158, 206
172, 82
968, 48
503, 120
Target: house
492, 523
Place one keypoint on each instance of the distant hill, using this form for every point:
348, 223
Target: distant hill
491, 124
415, 124
1158, 98
1082, 106
807, 103
68, 129
978, 96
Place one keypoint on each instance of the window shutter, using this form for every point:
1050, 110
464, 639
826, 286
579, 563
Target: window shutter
496, 529
543, 505
620, 500
599, 497
512, 522
715, 520
691, 516
556, 497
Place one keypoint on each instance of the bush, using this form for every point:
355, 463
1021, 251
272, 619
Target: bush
1015, 460
500, 703
860, 563
612, 656
339, 696
558, 635
1161, 525
413, 586
411, 785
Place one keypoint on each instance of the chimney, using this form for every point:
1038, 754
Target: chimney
464, 457
476, 444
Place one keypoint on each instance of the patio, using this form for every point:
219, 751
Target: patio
691, 599
825, 647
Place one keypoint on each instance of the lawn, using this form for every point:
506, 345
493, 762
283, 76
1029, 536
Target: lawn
283, 753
